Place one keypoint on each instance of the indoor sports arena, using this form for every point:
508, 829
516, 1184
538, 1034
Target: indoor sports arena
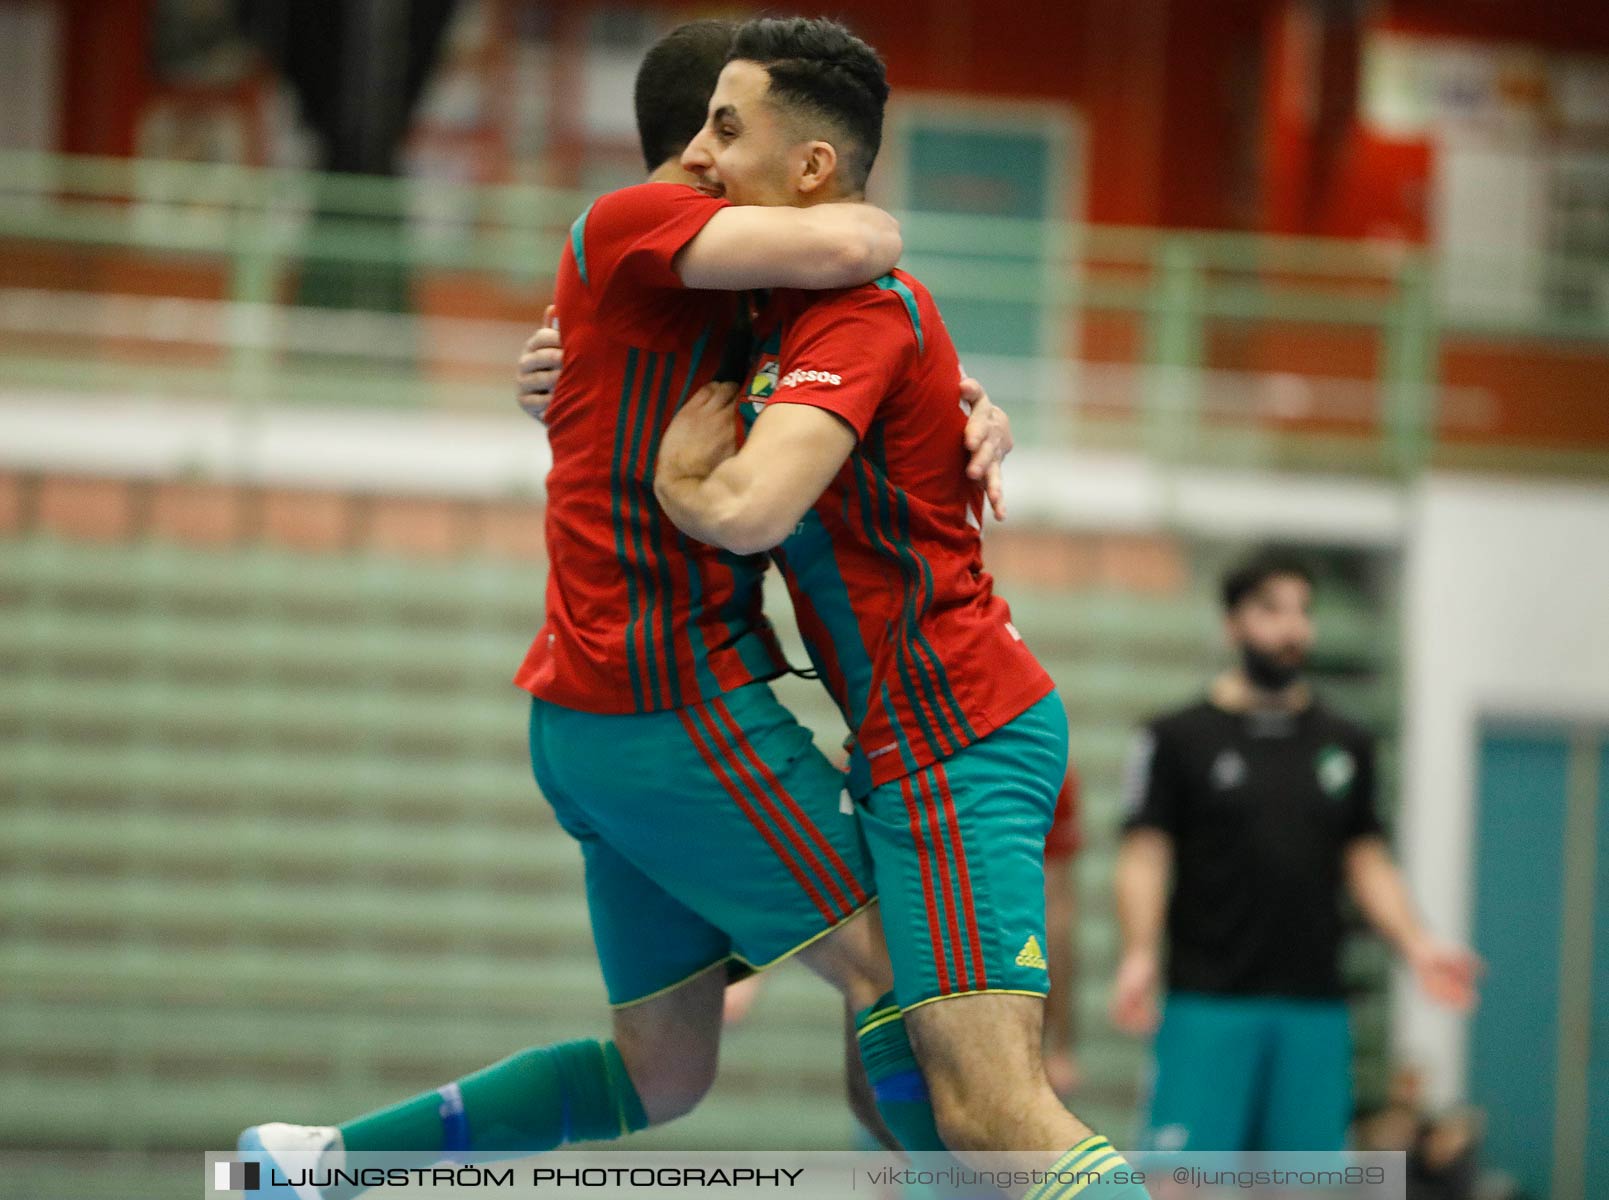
1153, 699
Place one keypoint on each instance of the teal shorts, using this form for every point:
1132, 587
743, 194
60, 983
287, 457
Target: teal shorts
1250, 1073
711, 834
959, 857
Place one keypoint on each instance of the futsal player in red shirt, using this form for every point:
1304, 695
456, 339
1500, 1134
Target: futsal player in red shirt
711, 828
849, 471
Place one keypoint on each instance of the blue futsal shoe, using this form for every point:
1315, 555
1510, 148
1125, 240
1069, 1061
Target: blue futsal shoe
289, 1155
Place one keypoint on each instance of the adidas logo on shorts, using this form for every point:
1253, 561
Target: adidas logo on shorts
1031, 955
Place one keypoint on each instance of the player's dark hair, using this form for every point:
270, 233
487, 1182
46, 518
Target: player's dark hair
1245, 578
674, 84
820, 70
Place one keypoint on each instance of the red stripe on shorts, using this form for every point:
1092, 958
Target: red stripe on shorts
719, 771
812, 831
928, 892
957, 947
806, 858
970, 913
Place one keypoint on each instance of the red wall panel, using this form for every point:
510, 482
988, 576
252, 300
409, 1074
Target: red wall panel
105, 73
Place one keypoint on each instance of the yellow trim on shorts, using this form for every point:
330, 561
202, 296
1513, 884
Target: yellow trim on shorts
734, 956
975, 992
671, 987
804, 945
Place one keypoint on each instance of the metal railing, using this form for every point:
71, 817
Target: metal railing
331, 289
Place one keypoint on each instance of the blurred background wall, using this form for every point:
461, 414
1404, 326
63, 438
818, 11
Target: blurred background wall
1329, 273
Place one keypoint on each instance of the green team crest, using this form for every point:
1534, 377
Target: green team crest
765, 380
1336, 768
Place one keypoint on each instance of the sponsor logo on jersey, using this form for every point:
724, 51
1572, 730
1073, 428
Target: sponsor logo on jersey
1031, 955
795, 378
1336, 768
764, 383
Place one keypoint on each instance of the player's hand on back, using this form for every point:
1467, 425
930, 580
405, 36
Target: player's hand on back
540, 364
702, 435
988, 441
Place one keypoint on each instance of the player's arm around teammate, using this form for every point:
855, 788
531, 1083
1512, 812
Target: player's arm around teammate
988, 430
833, 246
746, 502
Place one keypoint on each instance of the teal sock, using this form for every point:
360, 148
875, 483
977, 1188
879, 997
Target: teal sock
1087, 1171
538, 1099
896, 1079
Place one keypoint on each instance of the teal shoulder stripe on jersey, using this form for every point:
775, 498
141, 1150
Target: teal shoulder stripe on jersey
642, 621
578, 242
617, 500
890, 284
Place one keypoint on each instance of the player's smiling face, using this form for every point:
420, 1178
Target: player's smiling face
746, 150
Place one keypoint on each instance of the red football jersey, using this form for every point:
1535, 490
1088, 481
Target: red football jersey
886, 570
640, 618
